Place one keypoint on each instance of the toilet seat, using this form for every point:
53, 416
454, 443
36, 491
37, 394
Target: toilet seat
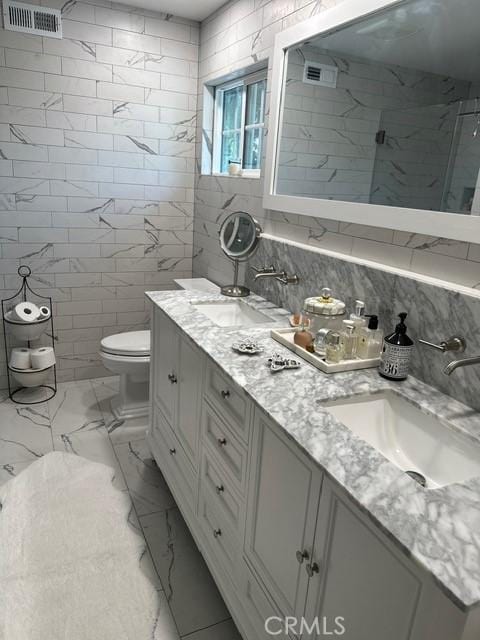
131, 344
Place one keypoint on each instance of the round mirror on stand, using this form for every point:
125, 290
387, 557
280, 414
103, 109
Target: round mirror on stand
239, 235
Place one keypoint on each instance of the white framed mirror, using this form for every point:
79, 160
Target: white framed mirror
375, 117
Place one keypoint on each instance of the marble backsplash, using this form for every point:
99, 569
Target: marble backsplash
434, 312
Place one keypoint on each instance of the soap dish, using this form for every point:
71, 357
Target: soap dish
280, 363
247, 347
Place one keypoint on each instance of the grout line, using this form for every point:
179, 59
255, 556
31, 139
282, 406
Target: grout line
187, 635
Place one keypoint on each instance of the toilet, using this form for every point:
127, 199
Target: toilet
128, 355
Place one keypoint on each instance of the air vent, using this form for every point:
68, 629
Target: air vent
30, 18
324, 75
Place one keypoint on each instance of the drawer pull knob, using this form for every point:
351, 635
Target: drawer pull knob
312, 568
220, 489
225, 394
222, 441
173, 378
301, 556
173, 451
217, 533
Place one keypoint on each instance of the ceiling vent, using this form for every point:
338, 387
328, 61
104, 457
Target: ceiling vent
323, 75
31, 18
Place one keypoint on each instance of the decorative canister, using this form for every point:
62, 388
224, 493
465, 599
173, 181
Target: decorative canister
324, 312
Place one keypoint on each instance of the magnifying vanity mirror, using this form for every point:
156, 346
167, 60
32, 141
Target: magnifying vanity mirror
376, 117
239, 235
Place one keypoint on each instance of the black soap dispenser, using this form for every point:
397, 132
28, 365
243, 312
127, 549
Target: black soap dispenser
397, 352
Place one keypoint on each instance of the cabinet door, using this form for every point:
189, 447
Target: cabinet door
284, 489
187, 426
165, 365
358, 576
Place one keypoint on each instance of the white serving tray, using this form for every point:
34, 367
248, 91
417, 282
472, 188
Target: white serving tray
285, 337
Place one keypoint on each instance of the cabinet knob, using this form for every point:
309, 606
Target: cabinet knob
225, 393
173, 451
220, 488
222, 441
312, 568
301, 556
173, 378
217, 533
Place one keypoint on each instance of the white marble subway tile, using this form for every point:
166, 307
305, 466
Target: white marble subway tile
27, 251
25, 186
120, 126
121, 57
121, 159
38, 170
15, 116
136, 77
87, 32
464, 272
41, 203
112, 190
136, 144
165, 193
128, 20
32, 61
175, 66
170, 99
70, 85
93, 320
89, 173
71, 250
136, 41
135, 176
88, 105
21, 41
168, 29
89, 140
71, 121
92, 206
73, 188
180, 50
35, 99
6, 168
42, 235
132, 111
86, 69
124, 92
69, 48
72, 156
18, 78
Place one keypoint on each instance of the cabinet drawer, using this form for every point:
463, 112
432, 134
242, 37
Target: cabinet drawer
220, 486
229, 400
220, 535
230, 451
173, 461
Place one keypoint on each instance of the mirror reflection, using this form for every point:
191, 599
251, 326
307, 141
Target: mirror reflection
387, 110
238, 235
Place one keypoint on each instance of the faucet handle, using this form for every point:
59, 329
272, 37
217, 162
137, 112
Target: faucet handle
454, 343
270, 269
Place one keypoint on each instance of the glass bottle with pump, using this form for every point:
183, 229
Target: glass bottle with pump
370, 339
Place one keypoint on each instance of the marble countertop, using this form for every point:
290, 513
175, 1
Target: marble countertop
437, 528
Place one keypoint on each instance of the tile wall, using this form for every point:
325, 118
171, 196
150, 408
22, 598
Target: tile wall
242, 33
97, 168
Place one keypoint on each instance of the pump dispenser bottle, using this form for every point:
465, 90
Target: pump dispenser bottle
397, 352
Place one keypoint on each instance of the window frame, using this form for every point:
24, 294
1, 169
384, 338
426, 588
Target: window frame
220, 89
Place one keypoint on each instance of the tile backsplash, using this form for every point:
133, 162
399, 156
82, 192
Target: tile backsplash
434, 312
97, 168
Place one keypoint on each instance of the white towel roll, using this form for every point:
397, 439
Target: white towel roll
20, 358
26, 312
45, 313
42, 357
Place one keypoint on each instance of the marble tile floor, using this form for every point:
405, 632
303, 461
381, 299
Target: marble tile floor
78, 419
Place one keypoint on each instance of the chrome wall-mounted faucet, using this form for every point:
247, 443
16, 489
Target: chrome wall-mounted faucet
455, 343
271, 272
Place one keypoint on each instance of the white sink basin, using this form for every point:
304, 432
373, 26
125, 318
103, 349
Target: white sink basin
411, 439
234, 313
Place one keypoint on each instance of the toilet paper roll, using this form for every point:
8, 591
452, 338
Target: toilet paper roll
42, 357
44, 313
20, 358
27, 312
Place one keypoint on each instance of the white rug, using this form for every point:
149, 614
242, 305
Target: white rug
69, 560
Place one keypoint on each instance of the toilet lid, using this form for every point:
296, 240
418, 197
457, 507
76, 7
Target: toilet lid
131, 343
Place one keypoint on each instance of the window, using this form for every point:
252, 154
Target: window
238, 125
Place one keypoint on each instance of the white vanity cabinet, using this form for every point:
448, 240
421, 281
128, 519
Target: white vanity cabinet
280, 537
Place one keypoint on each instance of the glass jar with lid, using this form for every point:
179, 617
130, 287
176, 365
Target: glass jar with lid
324, 311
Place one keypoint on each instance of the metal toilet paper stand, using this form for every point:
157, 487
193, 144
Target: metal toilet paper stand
26, 333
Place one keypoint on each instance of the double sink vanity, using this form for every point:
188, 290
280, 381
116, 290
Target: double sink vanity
295, 486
